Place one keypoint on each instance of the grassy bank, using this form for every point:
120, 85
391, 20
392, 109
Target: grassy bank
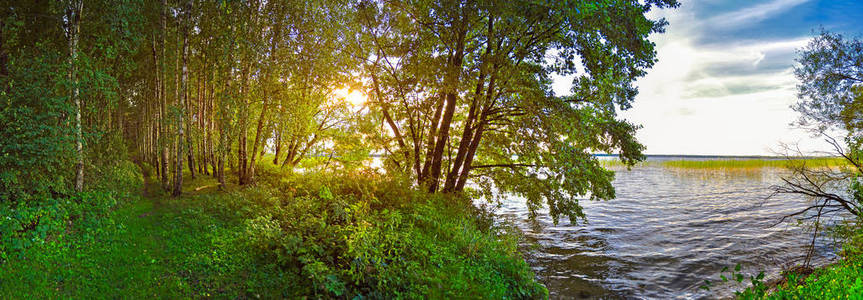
314, 235
843, 280
840, 280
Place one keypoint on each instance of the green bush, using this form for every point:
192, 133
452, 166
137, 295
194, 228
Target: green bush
33, 222
36, 145
122, 177
841, 281
312, 235
359, 235
24, 225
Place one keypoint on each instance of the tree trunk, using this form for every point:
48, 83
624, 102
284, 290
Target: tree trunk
430, 144
441, 143
187, 115
477, 136
163, 132
242, 157
178, 179
278, 147
472, 128
263, 118
393, 126
451, 94
73, 27
465, 170
211, 127
4, 57
466, 136
292, 149
202, 124
188, 119
257, 141
224, 142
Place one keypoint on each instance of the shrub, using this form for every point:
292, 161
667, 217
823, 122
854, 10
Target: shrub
839, 281
34, 223
363, 236
37, 220
122, 177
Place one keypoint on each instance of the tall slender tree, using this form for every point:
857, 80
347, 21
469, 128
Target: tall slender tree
181, 143
72, 24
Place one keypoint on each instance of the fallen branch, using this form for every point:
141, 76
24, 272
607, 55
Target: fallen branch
206, 186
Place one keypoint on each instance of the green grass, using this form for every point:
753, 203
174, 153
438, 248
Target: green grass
113, 259
843, 280
291, 236
142, 249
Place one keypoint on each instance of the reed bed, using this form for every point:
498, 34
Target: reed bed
616, 163
741, 164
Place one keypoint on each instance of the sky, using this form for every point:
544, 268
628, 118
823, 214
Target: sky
724, 84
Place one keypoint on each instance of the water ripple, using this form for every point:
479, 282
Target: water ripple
665, 233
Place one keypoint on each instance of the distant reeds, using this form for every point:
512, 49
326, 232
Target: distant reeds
739, 164
616, 163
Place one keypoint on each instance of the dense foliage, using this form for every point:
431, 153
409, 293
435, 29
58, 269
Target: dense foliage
841, 281
474, 79
458, 91
830, 72
321, 234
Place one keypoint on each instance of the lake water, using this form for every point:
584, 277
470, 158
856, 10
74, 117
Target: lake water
666, 232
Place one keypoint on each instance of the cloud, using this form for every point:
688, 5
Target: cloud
723, 83
713, 93
686, 111
736, 68
754, 14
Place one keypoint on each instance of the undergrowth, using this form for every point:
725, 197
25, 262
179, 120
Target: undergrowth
353, 235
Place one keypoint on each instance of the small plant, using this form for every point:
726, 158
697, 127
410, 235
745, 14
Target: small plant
757, 290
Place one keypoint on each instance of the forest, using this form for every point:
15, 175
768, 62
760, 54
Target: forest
455, 91
293, 149
281, 103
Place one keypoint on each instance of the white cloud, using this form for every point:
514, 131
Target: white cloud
688, 107
759, 59
729, 98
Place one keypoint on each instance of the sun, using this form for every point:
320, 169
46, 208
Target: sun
354, 97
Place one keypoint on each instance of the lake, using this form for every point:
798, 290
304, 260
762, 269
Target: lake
666, 232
